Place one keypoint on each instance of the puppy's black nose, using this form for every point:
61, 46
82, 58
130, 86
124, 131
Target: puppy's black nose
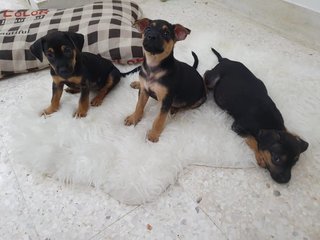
282, 177
151, 35
64, 71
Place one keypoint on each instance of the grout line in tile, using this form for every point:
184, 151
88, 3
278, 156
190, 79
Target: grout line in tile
217, 167
120, 218
224, 234
211, 220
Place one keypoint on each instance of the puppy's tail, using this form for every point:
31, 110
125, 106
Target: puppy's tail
132, 71
217, 54
196, 60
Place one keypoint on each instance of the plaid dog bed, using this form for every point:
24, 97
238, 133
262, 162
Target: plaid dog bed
107, 27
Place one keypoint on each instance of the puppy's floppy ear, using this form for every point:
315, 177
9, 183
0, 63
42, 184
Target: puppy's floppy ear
180, 32
37, 48
77, 39
142, 24
303, 145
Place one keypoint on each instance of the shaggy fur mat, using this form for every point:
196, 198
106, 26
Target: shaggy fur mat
100, 150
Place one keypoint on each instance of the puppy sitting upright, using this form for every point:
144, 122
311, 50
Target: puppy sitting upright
175, 84
80, 71
256, 117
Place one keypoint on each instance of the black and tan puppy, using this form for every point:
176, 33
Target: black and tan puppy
80, 71
256, 117
173, 83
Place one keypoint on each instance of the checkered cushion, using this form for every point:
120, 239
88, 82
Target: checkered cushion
107, 27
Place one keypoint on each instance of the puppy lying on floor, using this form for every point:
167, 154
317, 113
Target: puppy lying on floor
80, 71
173, 83
256, 117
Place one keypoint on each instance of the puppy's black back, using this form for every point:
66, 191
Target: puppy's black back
190, 86
245, 97
97, 69
185, 81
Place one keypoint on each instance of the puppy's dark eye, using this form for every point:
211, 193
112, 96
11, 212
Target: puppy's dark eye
67, 51
277, 160
148, 29
166, 33
50, 55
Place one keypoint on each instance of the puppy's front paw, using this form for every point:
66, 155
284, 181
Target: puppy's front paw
80, 114
97, 101
132, 120
173, 110
135, 84
48, 111
153, 136
261, 158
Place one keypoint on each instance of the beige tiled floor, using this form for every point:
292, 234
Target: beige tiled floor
205, 203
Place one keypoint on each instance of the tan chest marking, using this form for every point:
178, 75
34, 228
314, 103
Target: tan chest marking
159, 90
76, 80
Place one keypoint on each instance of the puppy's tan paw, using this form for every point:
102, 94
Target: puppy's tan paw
80, 114
48, 111
135, 84
131, 120
153, 136
261, 159
96, 102
173, 110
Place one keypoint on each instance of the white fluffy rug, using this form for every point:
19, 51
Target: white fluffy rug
100, 150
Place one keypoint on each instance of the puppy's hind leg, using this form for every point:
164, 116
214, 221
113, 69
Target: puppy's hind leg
199, 102
237, 128
174, 110
211, 77
135, 85
111, 81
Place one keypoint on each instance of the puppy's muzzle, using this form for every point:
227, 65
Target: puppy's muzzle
65, 72
282, 177
151, 35
153, 42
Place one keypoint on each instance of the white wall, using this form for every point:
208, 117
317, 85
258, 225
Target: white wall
310, 4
